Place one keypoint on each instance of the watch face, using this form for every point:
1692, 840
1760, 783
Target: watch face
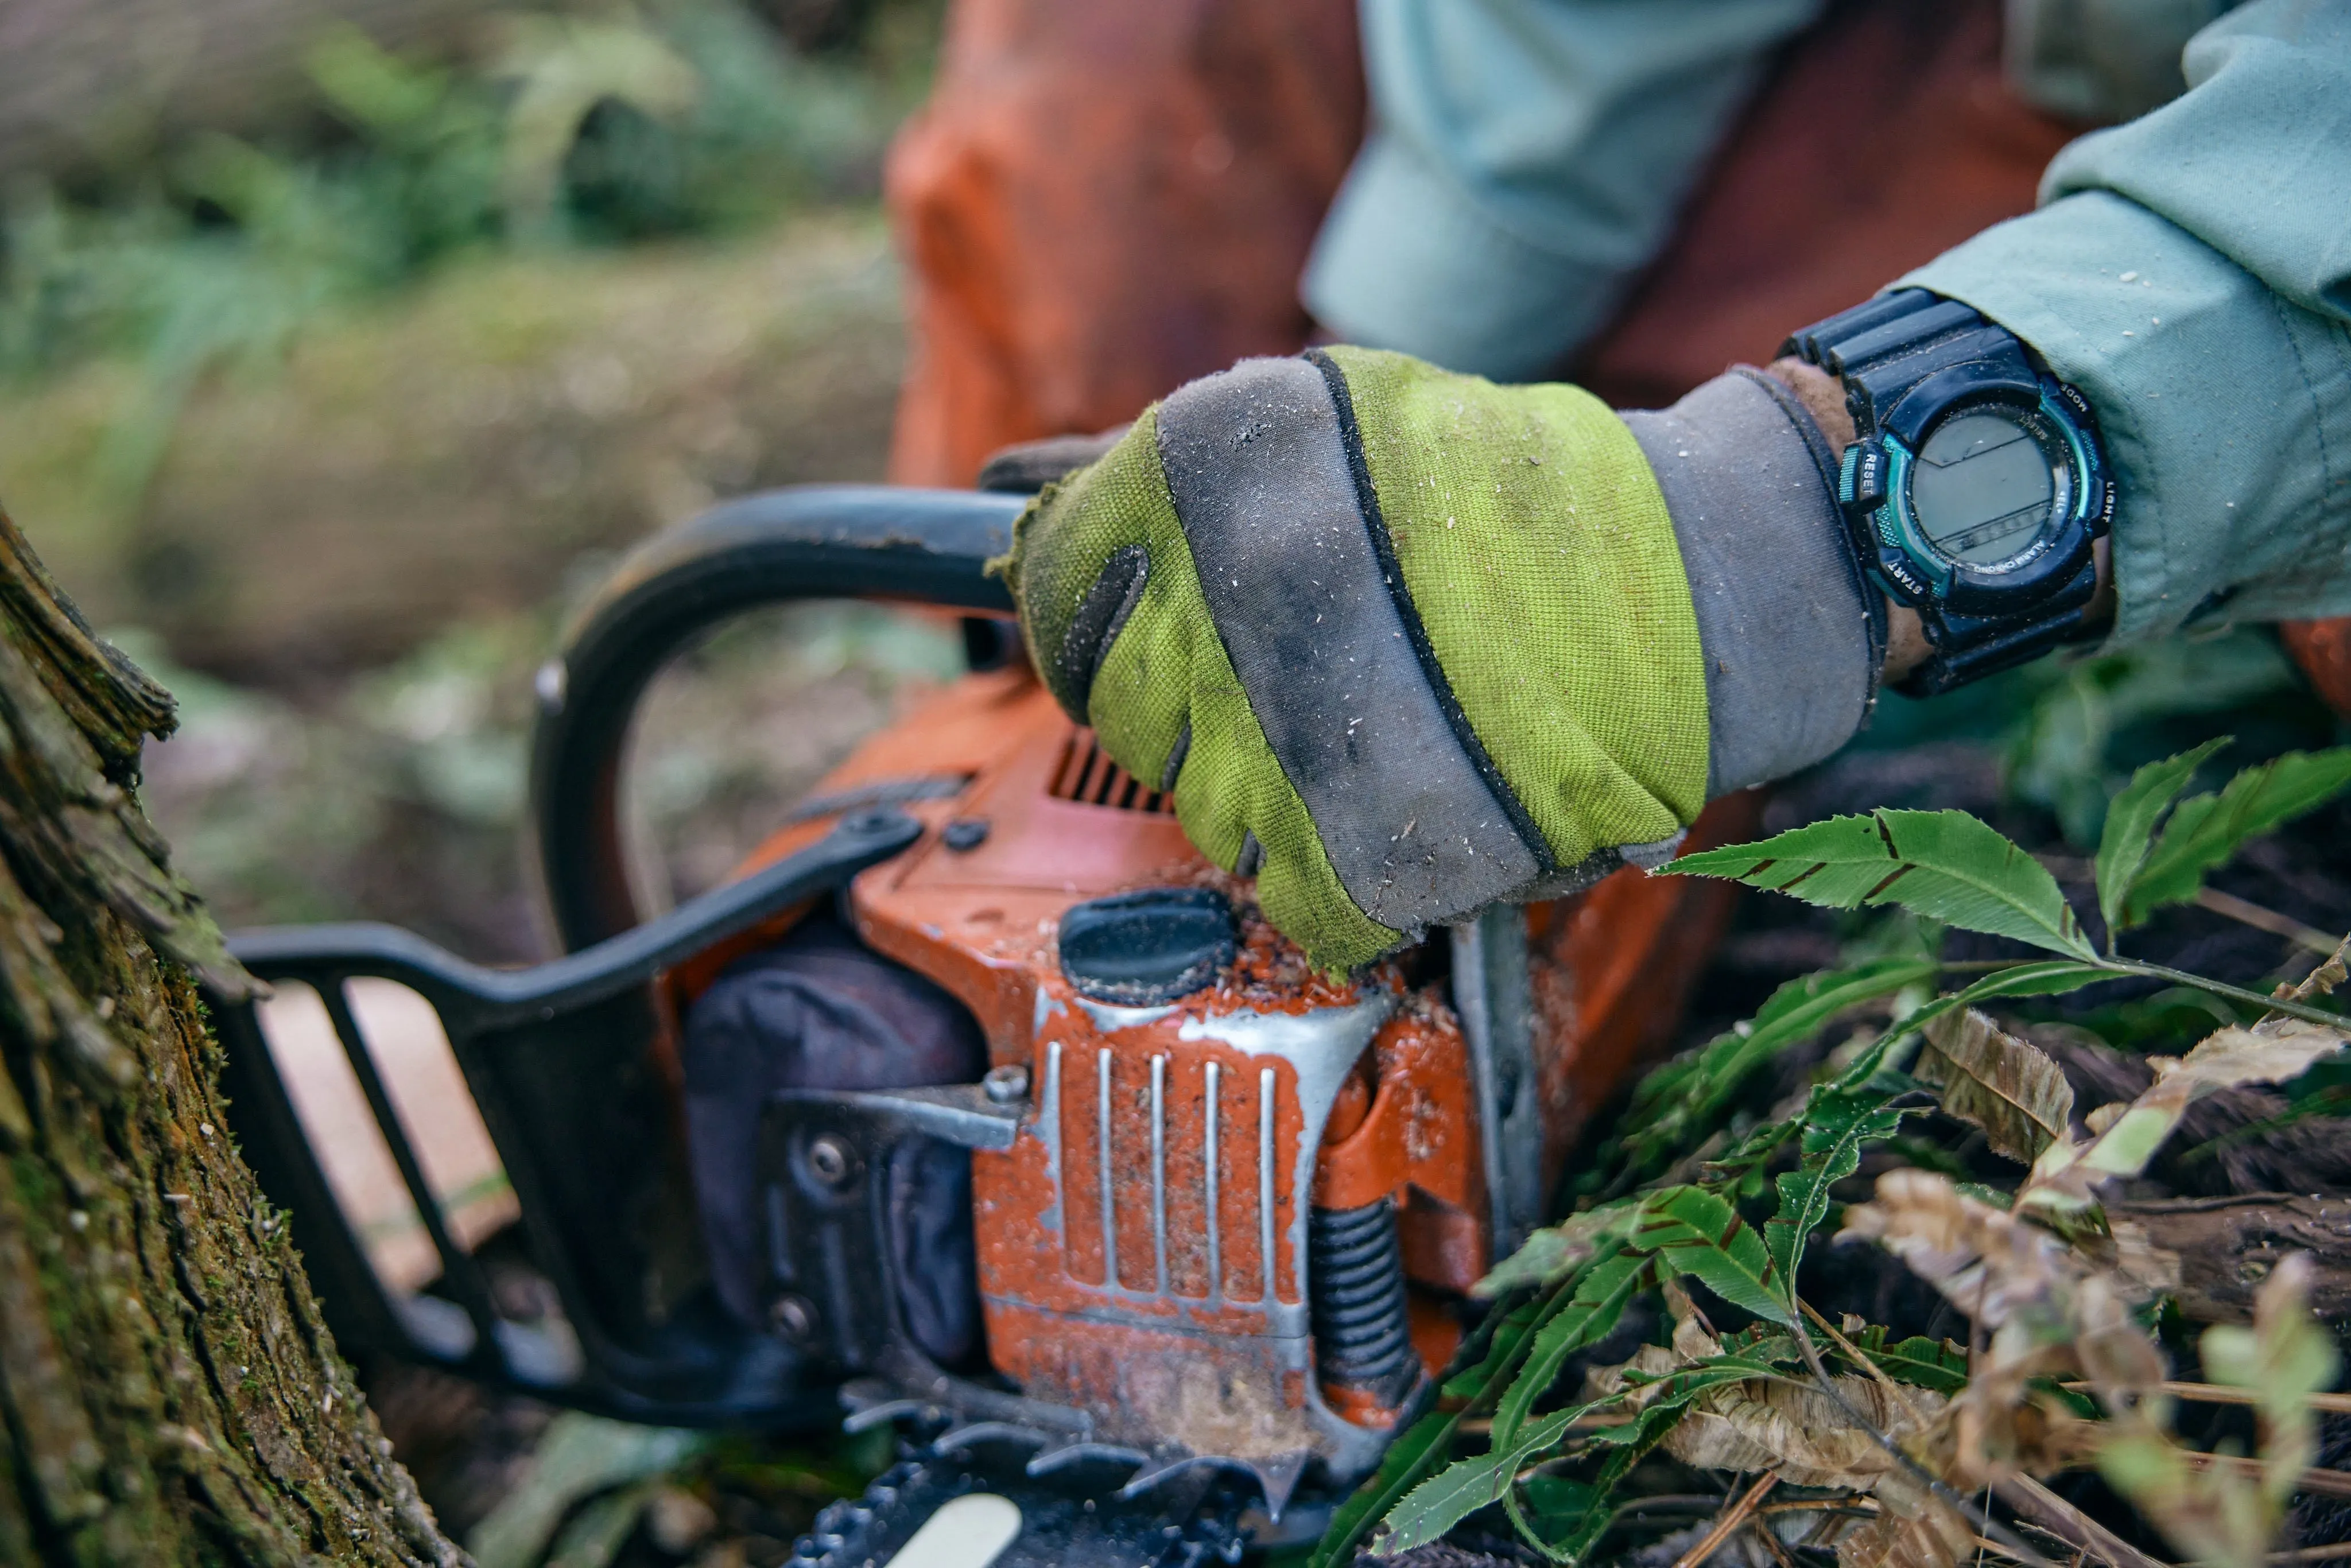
1989, 484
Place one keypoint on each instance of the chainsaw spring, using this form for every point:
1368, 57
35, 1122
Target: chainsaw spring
1355, 1274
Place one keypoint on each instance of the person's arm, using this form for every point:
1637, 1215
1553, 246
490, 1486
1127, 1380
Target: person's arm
1404, 643
1527, 159
2190, 272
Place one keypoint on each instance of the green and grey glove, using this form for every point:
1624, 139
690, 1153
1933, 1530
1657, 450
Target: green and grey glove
1404, 643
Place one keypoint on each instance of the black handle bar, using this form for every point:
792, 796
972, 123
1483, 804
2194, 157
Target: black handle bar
555, 1059
828, 541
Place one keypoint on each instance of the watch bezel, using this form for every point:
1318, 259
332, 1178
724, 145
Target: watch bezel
1911, 568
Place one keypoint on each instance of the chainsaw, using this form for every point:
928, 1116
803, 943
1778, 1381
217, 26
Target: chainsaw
977, 1101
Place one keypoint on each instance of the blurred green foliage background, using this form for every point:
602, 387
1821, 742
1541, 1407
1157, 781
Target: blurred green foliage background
327, 411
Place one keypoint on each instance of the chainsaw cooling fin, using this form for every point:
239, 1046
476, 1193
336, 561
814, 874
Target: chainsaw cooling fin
819, 1011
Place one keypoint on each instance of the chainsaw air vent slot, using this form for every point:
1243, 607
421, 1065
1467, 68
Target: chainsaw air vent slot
1090, 777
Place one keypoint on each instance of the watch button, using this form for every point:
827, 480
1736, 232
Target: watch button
1865, 475
1904, 579
2077, 404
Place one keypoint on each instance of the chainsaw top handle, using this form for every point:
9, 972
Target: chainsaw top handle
815, 541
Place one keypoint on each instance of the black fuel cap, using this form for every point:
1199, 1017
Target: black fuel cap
1137, 949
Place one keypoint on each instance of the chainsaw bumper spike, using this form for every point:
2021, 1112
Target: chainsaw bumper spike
1037, 1144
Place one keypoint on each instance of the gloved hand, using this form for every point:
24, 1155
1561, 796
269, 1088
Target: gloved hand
1403, 642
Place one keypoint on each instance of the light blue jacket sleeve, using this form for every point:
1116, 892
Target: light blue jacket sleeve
2191, 272
1527, 160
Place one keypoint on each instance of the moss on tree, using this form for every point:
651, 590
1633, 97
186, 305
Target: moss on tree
170, 1391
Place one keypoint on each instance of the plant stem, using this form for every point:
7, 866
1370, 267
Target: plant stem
2061, 1519
1735, 1516
2324, 1483
1771, 1542
1982, 1522
2245, 912
2221, 989
1854, 1353
2215, 1394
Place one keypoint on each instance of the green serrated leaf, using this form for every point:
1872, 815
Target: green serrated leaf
1677, 1106
2130, 826
2041, 977
1738, 1164
1692, 1231
1425, 1444
1408, 1459
1561, 1498
1794, 1013
1607, 1285
1630, 1445
1837, 1122
1500, 1350
1551, 1253
1570, 1545
1947, 865
1764, 1343
1460, 1490
1936, 1364
1866, 1075
2206, 830
1780, 1237
1463, 1487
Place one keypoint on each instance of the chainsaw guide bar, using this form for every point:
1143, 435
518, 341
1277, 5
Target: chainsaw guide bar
978, 1507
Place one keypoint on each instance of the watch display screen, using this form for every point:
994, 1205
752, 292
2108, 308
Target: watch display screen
1985, 483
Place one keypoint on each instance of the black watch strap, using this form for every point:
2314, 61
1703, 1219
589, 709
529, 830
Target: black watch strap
1885, 349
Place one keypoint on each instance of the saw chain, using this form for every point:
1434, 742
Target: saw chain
978, 1506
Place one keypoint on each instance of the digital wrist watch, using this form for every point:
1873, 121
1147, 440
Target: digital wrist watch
1974, 485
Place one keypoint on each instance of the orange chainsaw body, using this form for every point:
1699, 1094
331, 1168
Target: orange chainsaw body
1168, 1197
1141, 1246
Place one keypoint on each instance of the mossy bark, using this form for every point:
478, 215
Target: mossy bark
170, 1394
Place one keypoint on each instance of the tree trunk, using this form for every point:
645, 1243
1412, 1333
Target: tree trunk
169, 1390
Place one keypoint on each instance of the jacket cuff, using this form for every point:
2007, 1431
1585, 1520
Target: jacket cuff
1792, 652
2223, 407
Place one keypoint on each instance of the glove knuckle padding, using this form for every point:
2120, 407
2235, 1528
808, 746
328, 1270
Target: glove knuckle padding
1425, 638
1137, 655
1407, 812
1535, 542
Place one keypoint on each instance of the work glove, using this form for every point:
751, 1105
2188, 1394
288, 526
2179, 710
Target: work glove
1403, 644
